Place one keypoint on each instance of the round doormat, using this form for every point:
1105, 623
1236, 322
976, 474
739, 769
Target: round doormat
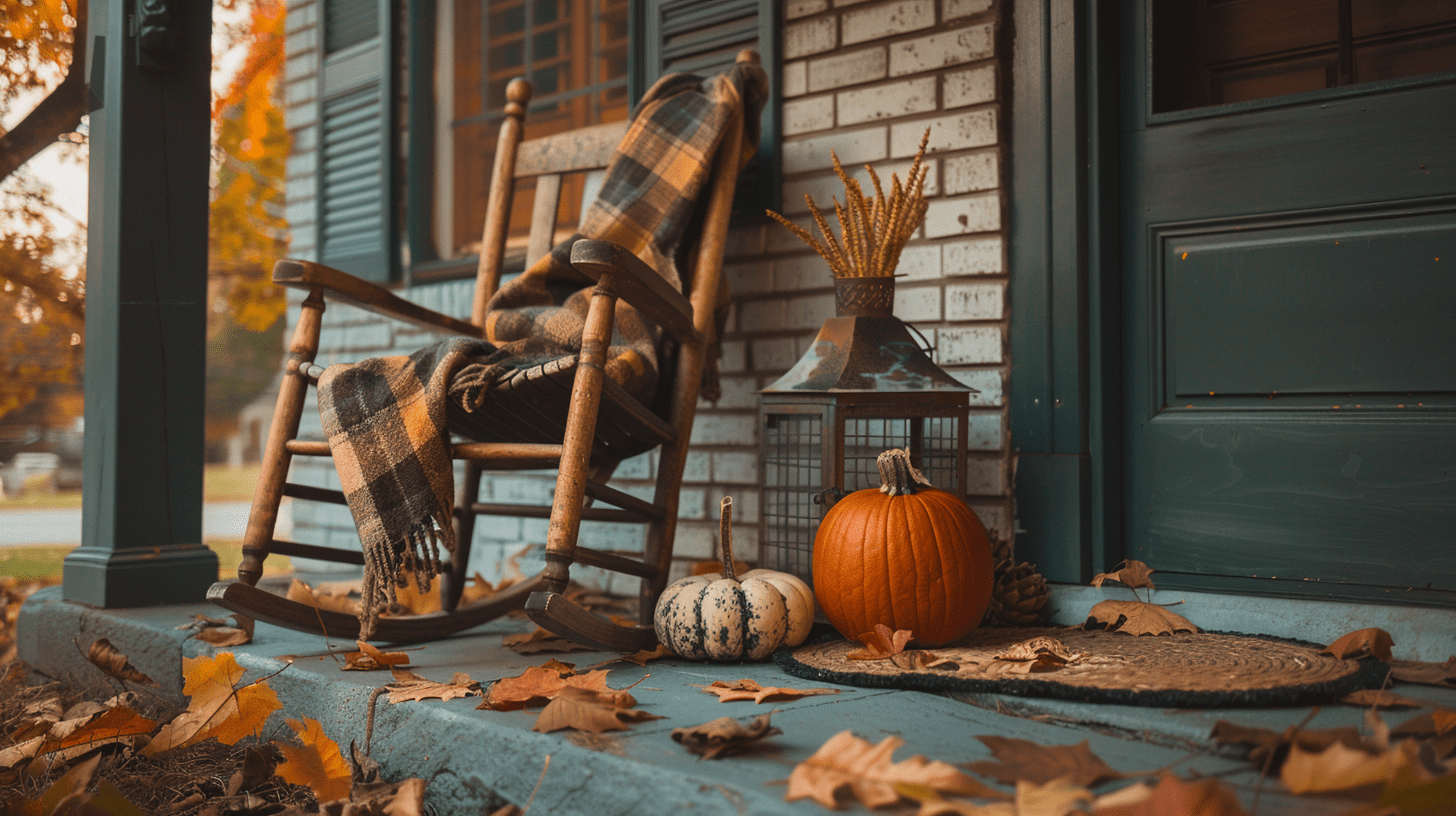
1203, 669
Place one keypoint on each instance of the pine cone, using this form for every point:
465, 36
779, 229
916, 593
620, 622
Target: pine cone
1019, 592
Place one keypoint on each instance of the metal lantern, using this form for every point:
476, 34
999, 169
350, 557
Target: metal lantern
863, 387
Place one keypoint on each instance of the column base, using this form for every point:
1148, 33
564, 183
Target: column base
156, 576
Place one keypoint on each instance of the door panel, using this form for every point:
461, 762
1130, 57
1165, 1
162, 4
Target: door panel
1289, 298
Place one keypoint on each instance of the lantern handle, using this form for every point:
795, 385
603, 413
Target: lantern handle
925, 345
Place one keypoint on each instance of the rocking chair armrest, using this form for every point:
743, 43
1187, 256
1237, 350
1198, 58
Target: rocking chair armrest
340, 286
637, 283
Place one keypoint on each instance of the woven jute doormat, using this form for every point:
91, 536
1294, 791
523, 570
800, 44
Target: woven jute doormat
1199, 670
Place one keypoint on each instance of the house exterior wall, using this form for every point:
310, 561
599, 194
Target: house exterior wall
861, 78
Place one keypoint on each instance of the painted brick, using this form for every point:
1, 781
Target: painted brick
301, 115
887, 19
795, 9
744, 241
795, 78
776, 354
735, 468
866, 65
300, 64
799, 272
808, 312
968, 346
299, 212
300, 91
694, 541
301, 167
695, 467
810, 37
919, 261
957, 131
955, 9
953, 216
974, 301
745, 513
852, 147
827, 187
301, 14
941, 49
691, 503
917, 304
725, 429
638, 467
738, 392
988, 382
994, 515
973, 173
886, 101
733, 357
304, 139
809, 114
750, 277
971, 86
303, 40
760, 315
985, 431
779, 239
985, 476
844, 3
973, 256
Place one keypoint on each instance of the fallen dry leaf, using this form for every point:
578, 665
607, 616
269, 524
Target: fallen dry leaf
1058, 797
409, 599
881, 643
541, 642
302, 593
317, 764
1269, 748
1362, 643
641, 656
216, 708
1436, 723
1203, 797
1020, 759
370, 658
1380, 698
220, 634
1340, 767
1430, 674
477, 590
587, 711
68, 794
408, 686
846, 765
1130, 573
1041, 654
746, 689
1136, 618
79, 732
107, 658
917, 659
538, 684
724, 736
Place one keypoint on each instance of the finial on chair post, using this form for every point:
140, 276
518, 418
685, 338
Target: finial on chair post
749, 56
518, 93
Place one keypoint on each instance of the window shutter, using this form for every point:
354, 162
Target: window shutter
356, 230
704, 37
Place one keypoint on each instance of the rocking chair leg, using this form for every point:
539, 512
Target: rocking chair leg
263, 517
452, 582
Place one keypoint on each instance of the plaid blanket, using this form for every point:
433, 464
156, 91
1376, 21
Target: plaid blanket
385, 418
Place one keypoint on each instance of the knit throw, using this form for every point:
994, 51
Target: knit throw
385, 418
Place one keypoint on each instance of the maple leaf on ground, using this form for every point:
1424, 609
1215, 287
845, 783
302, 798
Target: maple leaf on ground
588, 711
538, 684
109, 659
1340, 767
641, 656
883, 642
1362, 643
318, 764
846, 765
302, 593
1380, 698
541, 641
746, 689
370, 658
1430, 674
1203, 797
1136, 618
1024, 760
1041, 654
724, 736
409, 599
217, 708
1130, 573
408, 686
1269, 748
78, 732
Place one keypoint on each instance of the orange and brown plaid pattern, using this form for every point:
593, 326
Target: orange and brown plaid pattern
385, 417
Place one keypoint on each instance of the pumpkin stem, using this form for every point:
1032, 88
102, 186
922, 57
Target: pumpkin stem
725, 536
897, 476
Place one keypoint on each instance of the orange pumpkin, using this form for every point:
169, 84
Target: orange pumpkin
906, 555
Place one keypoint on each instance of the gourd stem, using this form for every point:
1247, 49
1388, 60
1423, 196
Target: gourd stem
897, 476
725, 536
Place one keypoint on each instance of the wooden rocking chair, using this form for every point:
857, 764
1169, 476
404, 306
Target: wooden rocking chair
564, 414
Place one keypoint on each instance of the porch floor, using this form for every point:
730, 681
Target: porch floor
474, 761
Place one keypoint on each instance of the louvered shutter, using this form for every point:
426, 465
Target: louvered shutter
703, 37
356, 138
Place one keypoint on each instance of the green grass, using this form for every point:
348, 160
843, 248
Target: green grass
220, 483
44, 561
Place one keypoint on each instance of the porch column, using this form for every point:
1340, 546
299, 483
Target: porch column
146, 296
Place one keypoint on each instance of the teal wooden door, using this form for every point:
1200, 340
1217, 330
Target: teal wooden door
1289, 298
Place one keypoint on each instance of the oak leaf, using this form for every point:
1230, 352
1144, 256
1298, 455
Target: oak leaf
1024, 760
539, 684
217, 708
1130, 573
746, 689
317, 764
541, 641
370, 658
408, 686
1362, 643
1136, 618
1203, 797
109, 659
588, 711
724, 736
1430, 674
881, 643
846, 765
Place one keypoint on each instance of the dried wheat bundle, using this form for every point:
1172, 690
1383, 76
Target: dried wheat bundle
872, 231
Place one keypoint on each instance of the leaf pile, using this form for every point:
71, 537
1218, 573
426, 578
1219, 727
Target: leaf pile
578, 700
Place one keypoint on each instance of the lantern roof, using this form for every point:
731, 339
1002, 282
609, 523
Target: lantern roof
866, 354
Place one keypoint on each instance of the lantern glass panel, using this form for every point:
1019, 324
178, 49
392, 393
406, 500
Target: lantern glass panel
793, 468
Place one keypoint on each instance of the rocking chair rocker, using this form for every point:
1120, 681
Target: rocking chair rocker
564, 414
